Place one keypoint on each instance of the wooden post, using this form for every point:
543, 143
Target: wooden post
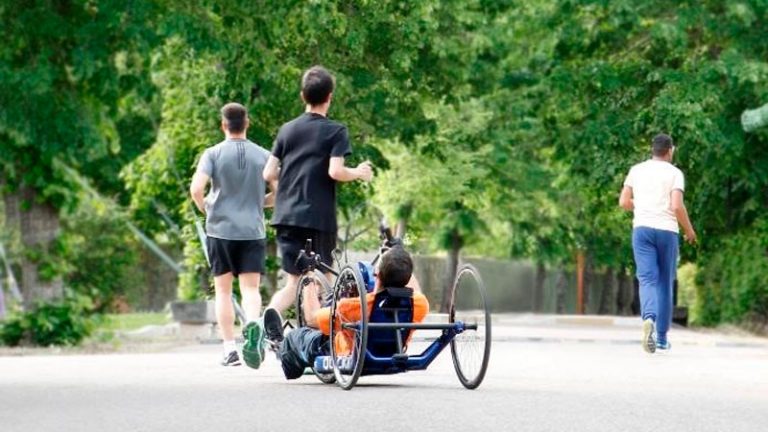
580, 282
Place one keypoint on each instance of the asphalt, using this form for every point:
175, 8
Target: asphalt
546, 374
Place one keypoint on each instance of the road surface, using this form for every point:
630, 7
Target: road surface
546, 374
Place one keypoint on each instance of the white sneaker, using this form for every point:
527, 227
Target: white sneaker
649, 344
231, 359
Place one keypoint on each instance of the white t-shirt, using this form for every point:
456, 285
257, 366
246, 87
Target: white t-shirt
652, 183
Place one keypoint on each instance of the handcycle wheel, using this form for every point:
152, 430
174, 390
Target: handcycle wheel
470, 349
323, 291
349, 323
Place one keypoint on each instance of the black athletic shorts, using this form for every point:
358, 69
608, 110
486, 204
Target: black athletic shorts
237, 256
291, 240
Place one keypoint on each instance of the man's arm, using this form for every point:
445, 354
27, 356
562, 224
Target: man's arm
269, 199
197, 190
341, 173
272, 170
414, 284
625, 199
678, 207
348, 310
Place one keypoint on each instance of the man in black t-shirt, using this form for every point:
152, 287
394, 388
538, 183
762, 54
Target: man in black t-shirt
307, 161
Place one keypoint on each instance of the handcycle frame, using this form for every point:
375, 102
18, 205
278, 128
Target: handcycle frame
400, 361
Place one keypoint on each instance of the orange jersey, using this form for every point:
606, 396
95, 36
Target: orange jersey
349, 309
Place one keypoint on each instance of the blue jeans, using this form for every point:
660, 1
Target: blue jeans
656, 261
299, 350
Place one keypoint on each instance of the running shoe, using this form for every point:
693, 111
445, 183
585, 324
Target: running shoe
663, 346
273, 325
253, 349
231, 359
649, 344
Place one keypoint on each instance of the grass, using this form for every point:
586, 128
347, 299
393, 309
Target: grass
133, 321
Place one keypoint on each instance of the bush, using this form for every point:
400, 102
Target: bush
64, 322
732, 283
101, 257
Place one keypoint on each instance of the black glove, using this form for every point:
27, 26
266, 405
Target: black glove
305, 262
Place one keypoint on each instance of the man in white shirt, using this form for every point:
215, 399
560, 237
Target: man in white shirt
654, 191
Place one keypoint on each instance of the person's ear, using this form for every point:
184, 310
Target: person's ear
224, 126
301, 95
330, 96
247, 122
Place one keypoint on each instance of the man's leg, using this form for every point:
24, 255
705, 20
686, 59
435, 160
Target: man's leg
249, 288
668, 250
290, 241
286, 296
225, 316
646, 256
299, 350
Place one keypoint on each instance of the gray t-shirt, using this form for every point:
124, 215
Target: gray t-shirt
234, 207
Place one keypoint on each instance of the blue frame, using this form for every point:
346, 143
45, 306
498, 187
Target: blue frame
397, 363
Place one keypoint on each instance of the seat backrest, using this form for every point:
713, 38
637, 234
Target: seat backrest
388, 304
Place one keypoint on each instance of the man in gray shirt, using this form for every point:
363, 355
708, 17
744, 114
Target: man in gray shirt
234, 220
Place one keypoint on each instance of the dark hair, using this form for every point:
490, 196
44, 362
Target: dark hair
395, 268
316, 85
661, 144
235, 116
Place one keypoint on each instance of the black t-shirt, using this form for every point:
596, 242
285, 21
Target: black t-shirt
306, 194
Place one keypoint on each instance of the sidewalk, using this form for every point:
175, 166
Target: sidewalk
528, 327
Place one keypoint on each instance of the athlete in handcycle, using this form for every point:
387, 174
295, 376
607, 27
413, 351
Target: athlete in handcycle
371, 338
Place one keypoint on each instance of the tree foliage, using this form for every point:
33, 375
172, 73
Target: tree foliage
509, 125
73, 84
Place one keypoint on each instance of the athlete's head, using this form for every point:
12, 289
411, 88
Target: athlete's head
234, 118
663, 146
317, 86
395, 268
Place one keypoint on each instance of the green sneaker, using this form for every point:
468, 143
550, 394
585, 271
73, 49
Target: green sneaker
253, 350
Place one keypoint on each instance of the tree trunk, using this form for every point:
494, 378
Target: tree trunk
402, 226
589, 278
538, 289
452, 266
37, 225
404, 212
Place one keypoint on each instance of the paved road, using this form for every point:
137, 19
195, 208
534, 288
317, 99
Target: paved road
545, 375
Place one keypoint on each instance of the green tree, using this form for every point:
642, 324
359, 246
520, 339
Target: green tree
392, 60
73, 80
621, 72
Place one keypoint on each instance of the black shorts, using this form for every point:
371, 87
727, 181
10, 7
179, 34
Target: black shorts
236, 256
291, 240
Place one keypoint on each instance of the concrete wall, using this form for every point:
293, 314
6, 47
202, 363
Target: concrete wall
510, 284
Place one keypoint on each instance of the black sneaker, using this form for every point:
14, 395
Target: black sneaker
231, 359
273, 325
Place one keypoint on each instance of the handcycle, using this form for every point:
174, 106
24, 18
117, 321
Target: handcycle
379, 344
